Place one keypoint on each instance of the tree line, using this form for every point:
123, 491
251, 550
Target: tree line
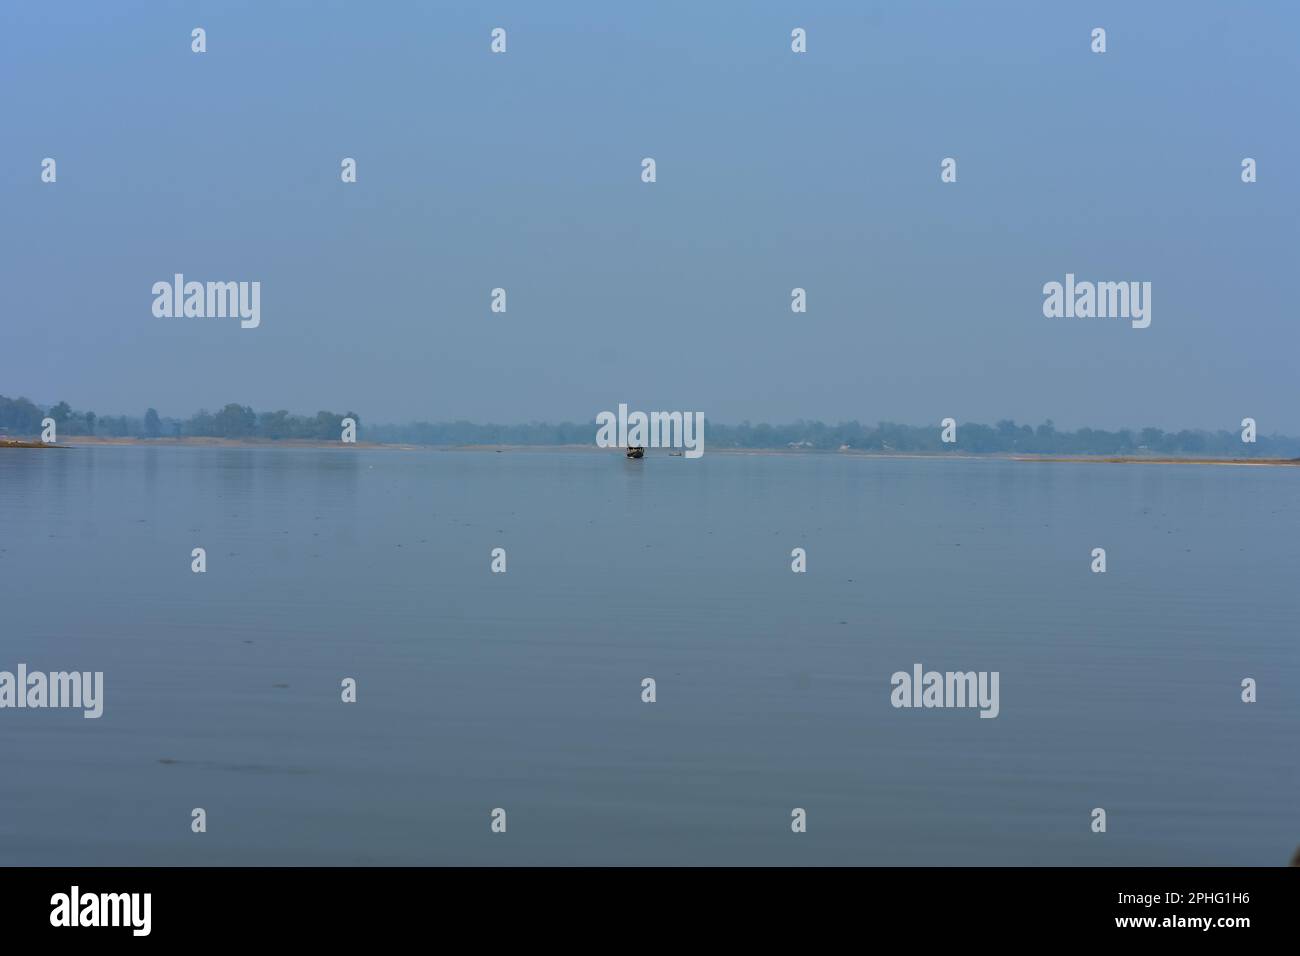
1003, 437
20, 417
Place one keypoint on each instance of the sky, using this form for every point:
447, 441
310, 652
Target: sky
775, 170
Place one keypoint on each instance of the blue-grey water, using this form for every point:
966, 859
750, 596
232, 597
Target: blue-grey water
523, 690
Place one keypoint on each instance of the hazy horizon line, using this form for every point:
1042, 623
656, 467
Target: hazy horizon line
544, 422
567, 422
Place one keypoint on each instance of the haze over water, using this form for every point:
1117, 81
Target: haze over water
522, 690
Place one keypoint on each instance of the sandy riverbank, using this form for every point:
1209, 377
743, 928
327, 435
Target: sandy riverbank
75, 441
1131, 460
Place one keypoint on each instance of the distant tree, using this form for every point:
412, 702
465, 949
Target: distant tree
275, 424
19, 416
61, 413
235, 421
1153, 438
152, 423
200, 423
327, 425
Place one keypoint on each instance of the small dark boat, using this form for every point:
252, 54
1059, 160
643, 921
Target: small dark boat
635, 451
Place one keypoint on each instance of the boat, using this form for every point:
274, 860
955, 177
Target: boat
635, 451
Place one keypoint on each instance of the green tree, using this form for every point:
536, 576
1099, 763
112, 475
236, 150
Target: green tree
235, 421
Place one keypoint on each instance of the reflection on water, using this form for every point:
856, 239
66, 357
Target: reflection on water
523, 690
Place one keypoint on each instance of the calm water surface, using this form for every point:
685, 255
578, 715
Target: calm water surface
523, 690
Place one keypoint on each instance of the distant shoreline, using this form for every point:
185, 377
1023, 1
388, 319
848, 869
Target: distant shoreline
1163, 460
201, 442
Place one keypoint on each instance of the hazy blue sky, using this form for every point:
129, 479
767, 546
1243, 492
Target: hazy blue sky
775, 170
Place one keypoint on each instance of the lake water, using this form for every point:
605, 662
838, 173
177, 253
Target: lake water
523, 690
